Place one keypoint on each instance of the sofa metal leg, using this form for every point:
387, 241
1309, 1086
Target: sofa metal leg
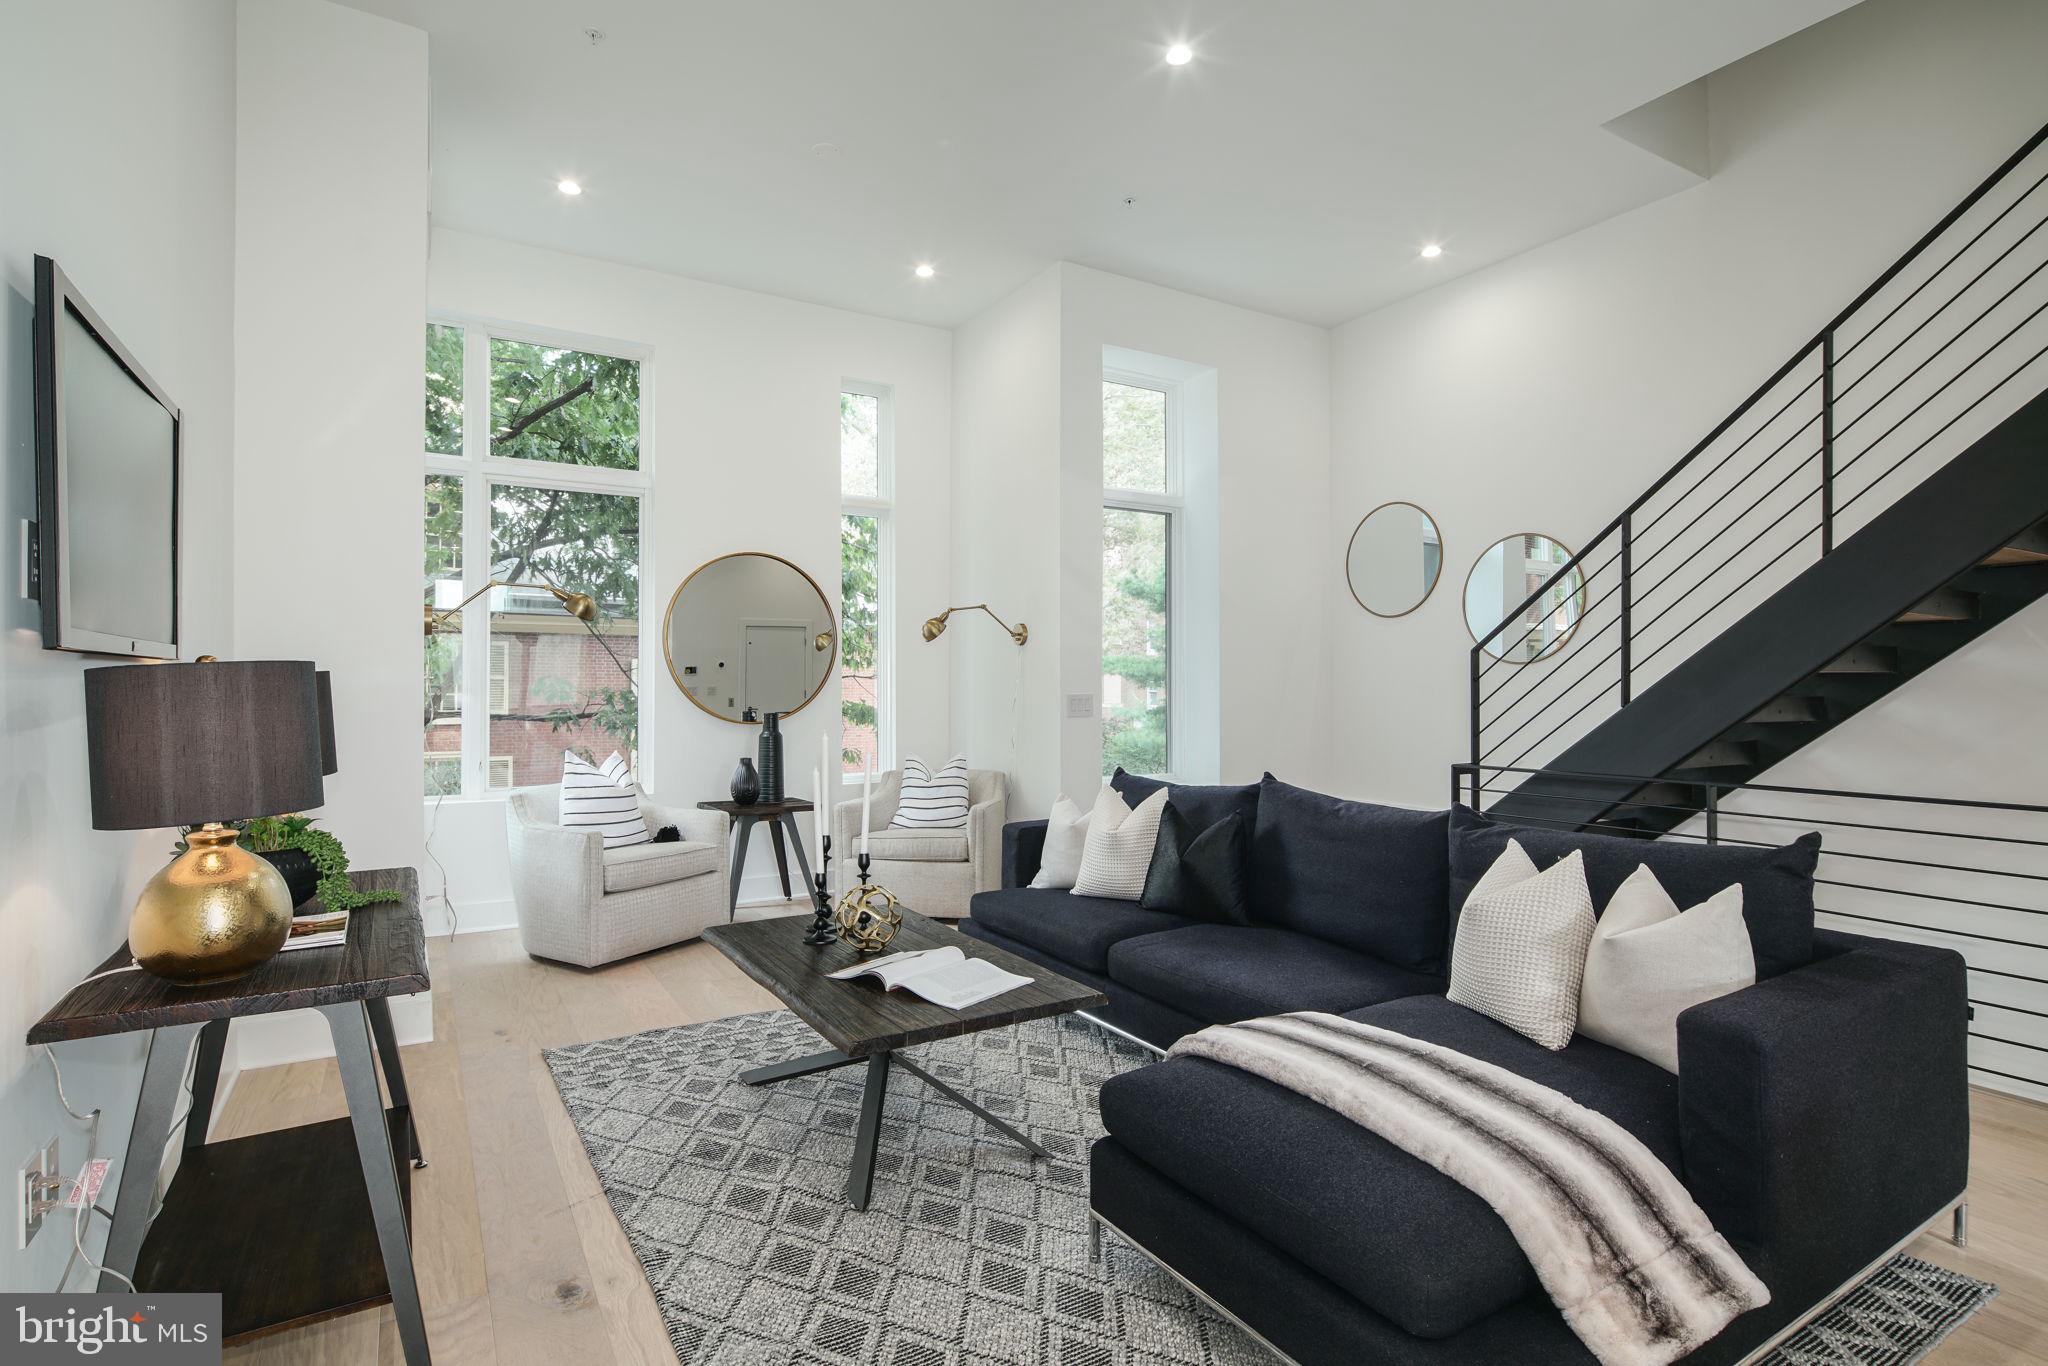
1962, 1224
1094, 1238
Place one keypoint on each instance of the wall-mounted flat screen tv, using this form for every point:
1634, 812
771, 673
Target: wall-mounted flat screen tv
106, 543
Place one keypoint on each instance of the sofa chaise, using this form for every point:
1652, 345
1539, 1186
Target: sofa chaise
1819, 1118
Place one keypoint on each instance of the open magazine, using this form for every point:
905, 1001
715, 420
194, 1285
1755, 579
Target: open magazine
317, 931
945, 977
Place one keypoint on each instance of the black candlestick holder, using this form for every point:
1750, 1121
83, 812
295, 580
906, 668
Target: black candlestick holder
822, 930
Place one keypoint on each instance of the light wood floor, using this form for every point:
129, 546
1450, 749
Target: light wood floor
520, 1259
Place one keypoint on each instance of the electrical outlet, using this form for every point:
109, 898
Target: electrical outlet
35, 1193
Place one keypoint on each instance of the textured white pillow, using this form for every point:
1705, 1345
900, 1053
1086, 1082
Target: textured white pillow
1648, 962
602, 797
1521, 946
1118, 850
1066, 834
932, 801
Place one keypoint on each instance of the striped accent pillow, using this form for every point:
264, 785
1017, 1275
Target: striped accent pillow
603, 798
932, 801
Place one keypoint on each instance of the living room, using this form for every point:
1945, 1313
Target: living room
1255, 519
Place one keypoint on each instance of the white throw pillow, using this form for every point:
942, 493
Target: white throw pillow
1649, 961
602, 797
932, 801
1066, 834
1521, 947
1118, 849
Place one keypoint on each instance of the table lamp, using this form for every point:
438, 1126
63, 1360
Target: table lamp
199, 745
329, 763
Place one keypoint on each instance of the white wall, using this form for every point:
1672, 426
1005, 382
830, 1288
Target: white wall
330, 289
1028, 526
744, 456
1544, 393
127, 180
1006, 539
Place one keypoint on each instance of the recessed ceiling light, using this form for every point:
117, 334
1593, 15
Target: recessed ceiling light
1180, 54
925, 271
569, 187
1431, 251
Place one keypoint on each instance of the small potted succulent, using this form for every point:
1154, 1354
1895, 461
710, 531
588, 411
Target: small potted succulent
312, 861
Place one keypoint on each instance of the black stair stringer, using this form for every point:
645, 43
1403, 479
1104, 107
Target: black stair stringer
1986, 497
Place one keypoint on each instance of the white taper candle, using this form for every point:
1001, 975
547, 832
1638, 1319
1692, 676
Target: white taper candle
867, 800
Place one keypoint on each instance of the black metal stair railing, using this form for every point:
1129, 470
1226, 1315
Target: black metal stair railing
1966, 875
1938, 350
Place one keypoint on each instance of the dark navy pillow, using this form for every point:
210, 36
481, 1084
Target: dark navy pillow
1371, 878
1777, 884
1199, 873
1203, 806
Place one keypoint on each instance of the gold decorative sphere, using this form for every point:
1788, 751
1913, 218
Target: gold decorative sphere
868, 918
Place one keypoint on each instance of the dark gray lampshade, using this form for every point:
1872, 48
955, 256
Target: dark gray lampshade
325, 682
183, 744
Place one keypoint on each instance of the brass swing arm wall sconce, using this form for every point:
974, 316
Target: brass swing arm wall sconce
581, 606
934, 627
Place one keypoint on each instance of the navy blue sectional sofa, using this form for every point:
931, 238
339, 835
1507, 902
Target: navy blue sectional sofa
1820, 1118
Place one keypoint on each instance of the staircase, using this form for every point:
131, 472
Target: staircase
1880, 502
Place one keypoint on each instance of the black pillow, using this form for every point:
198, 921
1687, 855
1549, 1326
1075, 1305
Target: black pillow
1777, 884
1199, 873
1203, 806
1371, 878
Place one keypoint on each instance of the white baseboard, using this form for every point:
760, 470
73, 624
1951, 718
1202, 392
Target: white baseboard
471, 917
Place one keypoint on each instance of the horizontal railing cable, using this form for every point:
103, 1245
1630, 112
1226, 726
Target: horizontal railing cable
1893, 468
1893, 312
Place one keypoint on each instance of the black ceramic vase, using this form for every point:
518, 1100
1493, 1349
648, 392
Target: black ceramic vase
296, 867
770, 756
746, 783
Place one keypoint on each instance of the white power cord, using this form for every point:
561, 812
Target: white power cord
92, 1143
447, 904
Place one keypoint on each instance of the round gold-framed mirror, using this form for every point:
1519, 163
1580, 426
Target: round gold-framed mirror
1503, 577
1394, 560
749, 633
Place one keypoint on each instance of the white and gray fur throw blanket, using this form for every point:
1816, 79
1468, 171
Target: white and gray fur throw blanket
1638, 1271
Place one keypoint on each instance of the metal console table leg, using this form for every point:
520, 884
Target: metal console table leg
350, 1025
394, 1070
213, 1042
163, 1076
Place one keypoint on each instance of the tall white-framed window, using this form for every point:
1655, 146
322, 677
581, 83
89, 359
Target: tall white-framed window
537, 463
867, 577
1143, 507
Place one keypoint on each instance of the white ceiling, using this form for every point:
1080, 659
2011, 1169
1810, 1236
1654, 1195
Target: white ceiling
1295, 166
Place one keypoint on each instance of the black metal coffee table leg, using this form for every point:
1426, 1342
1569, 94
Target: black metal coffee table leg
860, 1182
797, 1067
959, 1099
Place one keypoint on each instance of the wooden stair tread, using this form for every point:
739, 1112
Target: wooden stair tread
1944, 604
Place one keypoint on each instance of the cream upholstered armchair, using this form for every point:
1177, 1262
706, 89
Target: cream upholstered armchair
932, 872
581, 903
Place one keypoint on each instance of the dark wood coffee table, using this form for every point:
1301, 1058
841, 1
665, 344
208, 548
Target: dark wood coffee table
865, 1023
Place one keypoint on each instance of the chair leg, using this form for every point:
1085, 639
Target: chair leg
1962, 1224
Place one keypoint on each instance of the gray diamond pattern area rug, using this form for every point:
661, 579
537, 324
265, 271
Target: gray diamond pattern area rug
969, 1253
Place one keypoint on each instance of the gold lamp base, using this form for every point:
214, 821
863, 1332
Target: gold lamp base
213, 914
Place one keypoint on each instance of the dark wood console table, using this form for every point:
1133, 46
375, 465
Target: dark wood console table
271, 1221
